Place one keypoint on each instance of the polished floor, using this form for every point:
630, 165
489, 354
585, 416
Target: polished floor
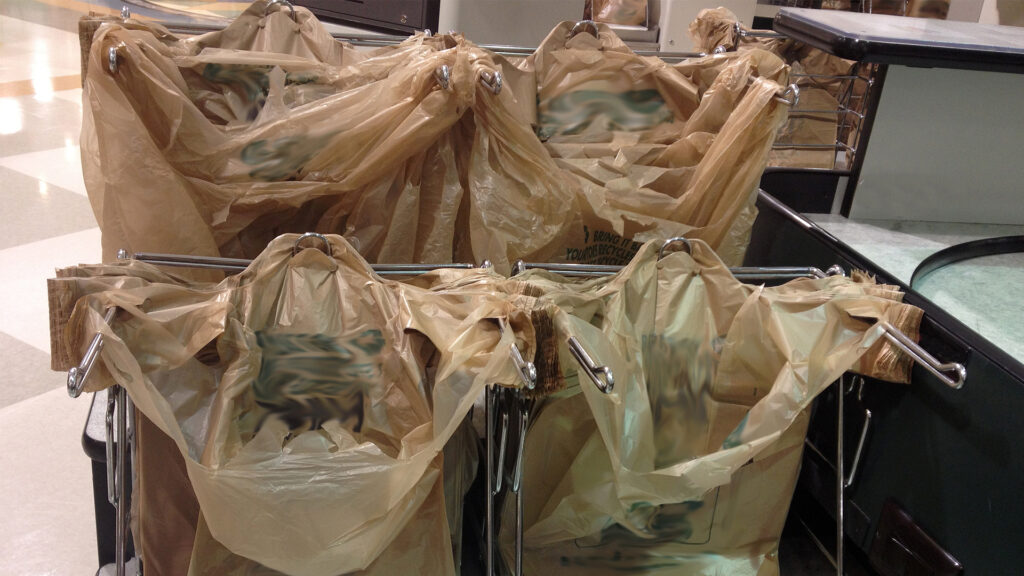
46, 511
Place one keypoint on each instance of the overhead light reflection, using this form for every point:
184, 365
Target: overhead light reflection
43, 188
42, 85
10, 116
42, 88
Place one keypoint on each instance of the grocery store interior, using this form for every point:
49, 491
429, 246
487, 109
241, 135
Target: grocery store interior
909, 168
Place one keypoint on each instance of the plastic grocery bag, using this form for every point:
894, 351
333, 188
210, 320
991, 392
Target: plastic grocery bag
310, 398
655, 153
823, 79
213, 146
689, 464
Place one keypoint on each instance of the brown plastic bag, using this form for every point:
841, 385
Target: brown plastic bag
689, 464
228, 148
800, 137
655, 153
231, 147
327, 475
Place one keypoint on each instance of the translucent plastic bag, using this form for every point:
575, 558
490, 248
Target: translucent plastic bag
656, 151
688, 465
311, 401
206, 146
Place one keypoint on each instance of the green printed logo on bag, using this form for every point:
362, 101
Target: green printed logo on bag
309, 379
283, 158
597, 111
254, 81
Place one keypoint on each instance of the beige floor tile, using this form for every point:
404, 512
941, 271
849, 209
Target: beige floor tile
34, 51
61, 167
25, 268
47, 525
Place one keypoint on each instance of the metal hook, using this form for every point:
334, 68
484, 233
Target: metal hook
112, 59
922, 357
720, 50
791, 96
673, 241
502, 441
592, 370
122, 254
835, 270
326, 248
517, 480
588, 25
518, 268
492, 80
125, 12
527, 371
486, 264
79, 374
291, 8
744, 33
427, 33
443, 75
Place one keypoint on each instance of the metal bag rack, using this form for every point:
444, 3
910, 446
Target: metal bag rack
816, 189
502, 407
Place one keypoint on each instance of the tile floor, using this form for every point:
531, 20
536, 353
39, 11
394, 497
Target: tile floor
46, 514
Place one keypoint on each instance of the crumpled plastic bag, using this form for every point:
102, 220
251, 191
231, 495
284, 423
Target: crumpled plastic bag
821, 77
214, 145
311, 400
689, 464
202, 147
658, 150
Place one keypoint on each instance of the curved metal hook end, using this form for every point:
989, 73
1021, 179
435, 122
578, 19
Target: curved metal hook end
492, 80
672, 242
112, 59
443, 75
835, 270
75, 382
326, 248
291, 8
790, 96
584, 25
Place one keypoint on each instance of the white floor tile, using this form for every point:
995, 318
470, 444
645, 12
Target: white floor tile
60, 166
70, 95
23, 305
48, 524
33, 51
